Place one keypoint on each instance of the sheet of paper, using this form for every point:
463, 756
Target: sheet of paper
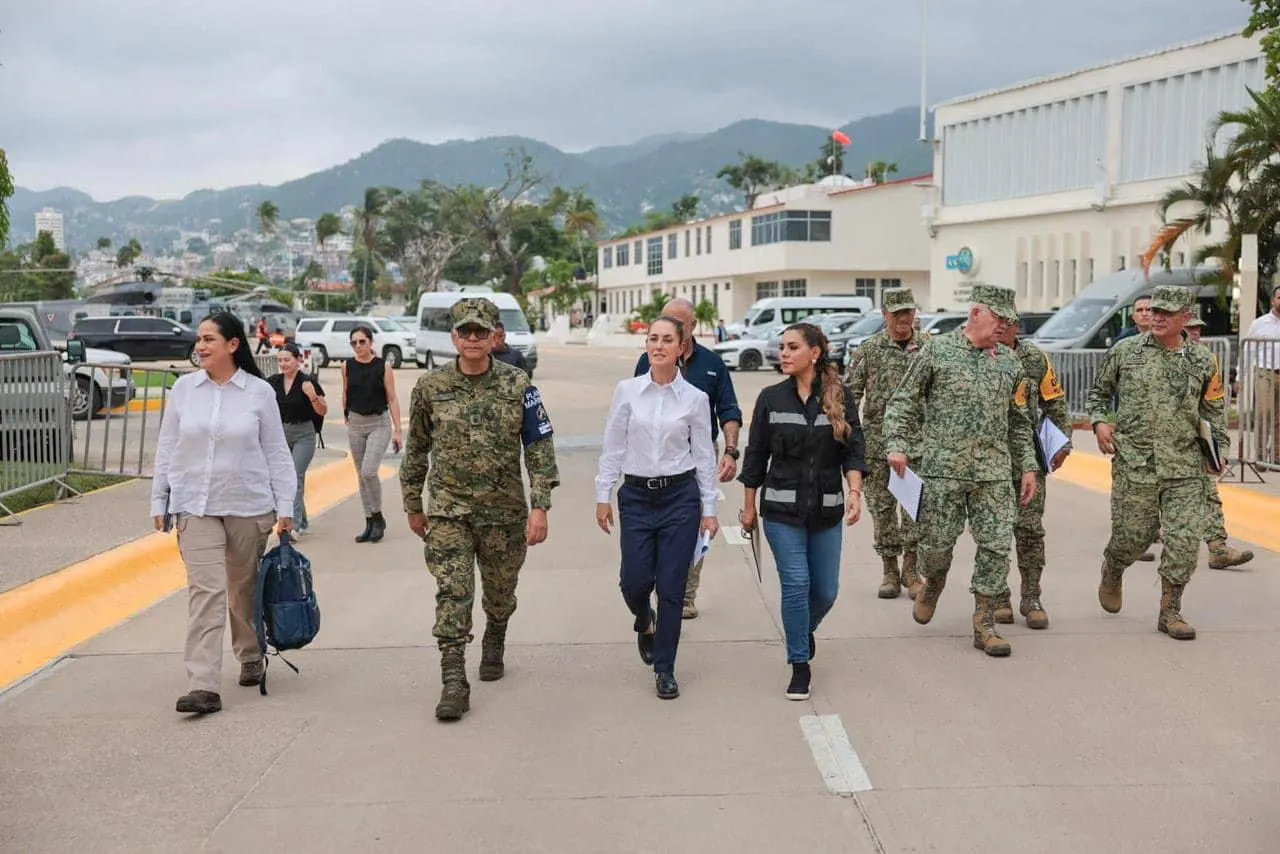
1051, 439
908, 490
700, 550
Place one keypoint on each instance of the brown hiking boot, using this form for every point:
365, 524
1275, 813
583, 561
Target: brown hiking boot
1222, 556
891, 584
984, 628
251, 672
1003, 609
1171, 622
1111, 588
199, 703
455, 696
492, 647
1030, 607
927, 600
910, 578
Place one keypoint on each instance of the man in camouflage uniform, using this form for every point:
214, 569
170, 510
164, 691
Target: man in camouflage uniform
1045, 397
874, 372
966, 395
468, 423
1166, 385
1221, 555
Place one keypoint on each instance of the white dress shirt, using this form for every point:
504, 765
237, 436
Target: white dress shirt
1266, 326
222, 450
658, 431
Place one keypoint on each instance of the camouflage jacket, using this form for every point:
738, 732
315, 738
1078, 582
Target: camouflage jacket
1045, 394
877, 368
970, 408
1163, 394
472, 430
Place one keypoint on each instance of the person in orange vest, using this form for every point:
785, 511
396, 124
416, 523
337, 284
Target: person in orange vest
262, 334
277, 339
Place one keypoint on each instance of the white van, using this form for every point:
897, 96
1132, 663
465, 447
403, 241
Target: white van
329, 339
768, 313
435, 325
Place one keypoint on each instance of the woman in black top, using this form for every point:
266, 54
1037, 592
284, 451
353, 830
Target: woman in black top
302, 406
368, 395
805, 440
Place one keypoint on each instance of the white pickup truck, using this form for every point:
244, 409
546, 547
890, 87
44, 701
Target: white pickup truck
93, 387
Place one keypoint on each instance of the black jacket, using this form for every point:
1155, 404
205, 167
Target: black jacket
792, 453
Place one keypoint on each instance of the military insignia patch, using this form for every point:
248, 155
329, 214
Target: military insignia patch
536, 424
1050, 388
1215, 390
1020, 393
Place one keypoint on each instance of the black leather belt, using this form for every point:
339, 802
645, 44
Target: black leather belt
658, 482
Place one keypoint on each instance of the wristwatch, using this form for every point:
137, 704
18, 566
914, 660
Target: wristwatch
732, 453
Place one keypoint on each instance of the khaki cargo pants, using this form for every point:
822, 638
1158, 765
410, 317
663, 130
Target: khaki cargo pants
222, 554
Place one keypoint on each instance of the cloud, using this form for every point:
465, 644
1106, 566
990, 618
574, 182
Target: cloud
161, 98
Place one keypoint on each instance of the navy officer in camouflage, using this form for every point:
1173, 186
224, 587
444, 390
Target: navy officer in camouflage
1166, 386
966, 396
469, 421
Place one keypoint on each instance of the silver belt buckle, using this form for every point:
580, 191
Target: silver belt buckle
655, 483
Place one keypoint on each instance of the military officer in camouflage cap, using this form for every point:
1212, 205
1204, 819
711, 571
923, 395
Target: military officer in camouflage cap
1045, 397
966, 395
468, 423
875, 368
1166, 385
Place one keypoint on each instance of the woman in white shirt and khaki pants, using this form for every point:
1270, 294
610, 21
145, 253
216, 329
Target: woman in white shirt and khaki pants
224, 473
658, 437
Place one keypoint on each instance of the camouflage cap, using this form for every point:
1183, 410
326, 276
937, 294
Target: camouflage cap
474, 311
995, 298
897, 299
1195, 320
1171, 299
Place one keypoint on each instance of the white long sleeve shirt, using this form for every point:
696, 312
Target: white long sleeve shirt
222, 450
657, 431
1268, 354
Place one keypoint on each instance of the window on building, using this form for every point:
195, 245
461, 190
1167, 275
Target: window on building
735, 234
795, 288
865, 288
673, 247
702, 294
1090, 271
1040, 284
655, 256
624, 254
687, 243
639, 256
1075, 280
715, 295
708, 240
1056, 281
804, 226
1120, 263
1024, 270
766, 290
698, 241
606, 257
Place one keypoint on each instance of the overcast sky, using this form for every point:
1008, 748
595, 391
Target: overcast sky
160, 98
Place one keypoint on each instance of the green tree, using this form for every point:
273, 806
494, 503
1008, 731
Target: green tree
128, 253
878, 170
582, 226
6, 192
328, 225
652, 310
104, 243
686, 207
753, 176
1265, 18
368, 220
268, 216
706, 314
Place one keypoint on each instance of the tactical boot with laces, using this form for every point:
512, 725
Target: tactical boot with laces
891, 583
455, 696
1111, 588
1171, 621
1030, 606
927, 600
984, 628
1222, 556
492, 647
910, 578
1003, 608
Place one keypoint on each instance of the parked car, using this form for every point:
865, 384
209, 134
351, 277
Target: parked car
744, 354
142, 338
1031, 321
329, 339
100, 378
851, 337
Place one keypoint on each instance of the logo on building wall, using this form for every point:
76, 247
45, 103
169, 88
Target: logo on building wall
962, 262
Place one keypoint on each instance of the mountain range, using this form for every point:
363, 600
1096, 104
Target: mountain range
625, 180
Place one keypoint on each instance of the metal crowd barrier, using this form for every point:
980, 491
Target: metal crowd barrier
1258, 377
35, 423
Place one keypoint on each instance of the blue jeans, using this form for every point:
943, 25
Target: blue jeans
809, 572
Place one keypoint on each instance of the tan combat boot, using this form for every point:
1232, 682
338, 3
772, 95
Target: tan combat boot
984, 628
1030, 607
1111, 588
927, 600
1171, 622
492, 647
891, 584
1222, 556
910, 578
455, 696
1002, 611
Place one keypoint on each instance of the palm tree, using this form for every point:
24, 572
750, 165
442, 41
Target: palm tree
327, 226
104, 243
1212, 195
368, 218
268, 215
581, 222
878, 170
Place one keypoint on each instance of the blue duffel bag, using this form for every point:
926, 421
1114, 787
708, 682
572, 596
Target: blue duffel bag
286, 612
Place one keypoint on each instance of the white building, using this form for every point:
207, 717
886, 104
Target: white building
1046, 185
50, 220
838, 237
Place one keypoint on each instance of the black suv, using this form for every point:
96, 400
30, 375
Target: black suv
140, 338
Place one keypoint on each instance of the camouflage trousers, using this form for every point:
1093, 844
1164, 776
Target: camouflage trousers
1028, 530
453, 549
1216, 530
990, 510
1143, 506
895, 531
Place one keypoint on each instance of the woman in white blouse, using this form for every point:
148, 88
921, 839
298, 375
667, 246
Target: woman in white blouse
658, 437
223, 474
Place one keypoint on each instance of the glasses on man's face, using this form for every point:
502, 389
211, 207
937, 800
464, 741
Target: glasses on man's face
475, 333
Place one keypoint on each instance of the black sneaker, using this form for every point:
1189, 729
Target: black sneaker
799, 687
666, 685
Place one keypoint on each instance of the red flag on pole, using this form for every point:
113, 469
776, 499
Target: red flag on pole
840, 137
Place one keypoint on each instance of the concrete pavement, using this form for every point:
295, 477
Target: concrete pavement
1099, 734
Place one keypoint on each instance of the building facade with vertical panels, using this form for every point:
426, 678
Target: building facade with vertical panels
1047, 185
50, 220
837, 237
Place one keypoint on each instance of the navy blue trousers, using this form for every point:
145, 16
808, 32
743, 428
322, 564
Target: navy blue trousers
659, 529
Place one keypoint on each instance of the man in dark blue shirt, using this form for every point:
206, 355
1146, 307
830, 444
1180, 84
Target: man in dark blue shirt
705, 371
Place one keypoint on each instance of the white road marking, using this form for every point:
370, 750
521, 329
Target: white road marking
835, 757
733, 535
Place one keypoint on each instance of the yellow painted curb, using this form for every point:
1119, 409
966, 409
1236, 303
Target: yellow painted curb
48, 617
1250, 515
154, 404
